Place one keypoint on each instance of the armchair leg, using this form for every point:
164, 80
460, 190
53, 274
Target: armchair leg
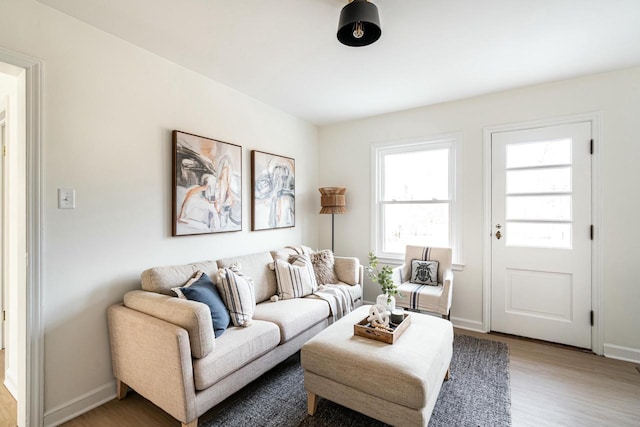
447, 316
121, 389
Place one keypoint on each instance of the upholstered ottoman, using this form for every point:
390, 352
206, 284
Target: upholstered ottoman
395, 383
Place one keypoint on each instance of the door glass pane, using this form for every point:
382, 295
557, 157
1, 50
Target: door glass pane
555, 208
417, 175
415, 224
551, 180
541, 153
538, 235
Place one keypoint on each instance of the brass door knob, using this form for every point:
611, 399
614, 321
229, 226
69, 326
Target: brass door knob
498, 235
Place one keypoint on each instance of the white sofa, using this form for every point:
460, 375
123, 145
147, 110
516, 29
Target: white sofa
164, 347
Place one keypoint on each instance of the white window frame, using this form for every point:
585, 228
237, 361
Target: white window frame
378, 152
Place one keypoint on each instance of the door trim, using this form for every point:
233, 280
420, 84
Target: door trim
34, 332
597, 197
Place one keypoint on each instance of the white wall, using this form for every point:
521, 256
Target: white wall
345, 156
108, 109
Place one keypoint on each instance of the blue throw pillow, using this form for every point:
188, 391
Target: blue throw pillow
200, 288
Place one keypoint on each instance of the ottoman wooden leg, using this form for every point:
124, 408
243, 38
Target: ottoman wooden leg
312, 403
446, 375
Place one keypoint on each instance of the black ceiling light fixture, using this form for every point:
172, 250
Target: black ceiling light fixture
359, 24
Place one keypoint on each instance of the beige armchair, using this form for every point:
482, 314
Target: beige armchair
432, 298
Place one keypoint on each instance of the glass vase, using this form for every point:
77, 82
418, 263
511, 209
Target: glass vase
388, 301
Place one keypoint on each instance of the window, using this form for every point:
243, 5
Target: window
415, 196
539, 194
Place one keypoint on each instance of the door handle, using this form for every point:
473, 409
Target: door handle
498, 235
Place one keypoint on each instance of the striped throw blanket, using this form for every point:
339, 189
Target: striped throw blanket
338, 297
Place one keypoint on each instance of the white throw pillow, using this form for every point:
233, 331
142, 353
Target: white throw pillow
424, 272
295, 280
239, 296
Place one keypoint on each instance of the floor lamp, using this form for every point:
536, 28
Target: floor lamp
332, 201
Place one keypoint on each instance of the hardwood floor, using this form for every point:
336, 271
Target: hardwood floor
558, 386
550, 386
8, 407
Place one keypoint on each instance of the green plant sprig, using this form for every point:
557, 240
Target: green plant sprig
382, 276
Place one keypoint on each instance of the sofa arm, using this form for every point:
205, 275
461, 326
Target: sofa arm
447, 288
153, 357
396, 275
192, 316
348, 270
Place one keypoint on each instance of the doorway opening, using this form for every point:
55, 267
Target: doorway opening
12, 237
22, 236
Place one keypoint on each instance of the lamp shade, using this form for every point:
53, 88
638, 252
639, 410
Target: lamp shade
332, 200
359, 24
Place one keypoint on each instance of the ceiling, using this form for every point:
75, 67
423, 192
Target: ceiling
285, 52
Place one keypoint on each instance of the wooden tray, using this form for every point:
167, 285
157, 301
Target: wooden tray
362, 329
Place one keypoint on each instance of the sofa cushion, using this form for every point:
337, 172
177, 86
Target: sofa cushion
234, 349
292, 316
162, 279
200, 288
347, 269
193, 316
255, 266
295, 280
239, 296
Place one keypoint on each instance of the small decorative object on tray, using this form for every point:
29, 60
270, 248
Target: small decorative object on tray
378, 316
378, 327
397, 315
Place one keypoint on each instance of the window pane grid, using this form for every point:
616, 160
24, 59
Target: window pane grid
415, 195
539, 195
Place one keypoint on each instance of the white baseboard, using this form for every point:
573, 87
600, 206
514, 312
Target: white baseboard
11, 383
471, 325
619, 352
81, 404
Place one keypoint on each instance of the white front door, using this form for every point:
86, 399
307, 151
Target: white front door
541, 233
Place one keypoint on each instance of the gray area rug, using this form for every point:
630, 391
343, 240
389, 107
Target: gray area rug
477, 394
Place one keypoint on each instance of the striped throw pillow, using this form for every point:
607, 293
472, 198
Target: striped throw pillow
238, 293
295, 280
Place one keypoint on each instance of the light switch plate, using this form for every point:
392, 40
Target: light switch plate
66, 198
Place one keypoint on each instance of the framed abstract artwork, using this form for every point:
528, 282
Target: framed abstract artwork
207, 185
273, 189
